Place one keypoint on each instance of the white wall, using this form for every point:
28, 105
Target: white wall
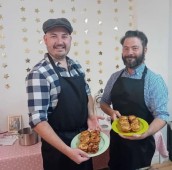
151, 17
155, 19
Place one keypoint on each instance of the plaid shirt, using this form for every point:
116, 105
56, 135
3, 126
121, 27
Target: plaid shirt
43, 88
155, 91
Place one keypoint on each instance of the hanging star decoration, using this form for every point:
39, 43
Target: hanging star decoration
6, 76
100, 23
100, 53
88, 79
99, 12
1, 18
4, 65
99, 1
100, 63
74, 20
7, 86
130, 24
86, 42
2, 36
73, 9
88, 70
2, 46
75, 43
100, 33
130, 8
86, 31
27, 50
116, 28
87, 62
23, 19
100, 71
116, 10
4, 55
63, 11
40, 41
38, 31
116, 38
24, 29
86, 20
76, 53
100, 82
22, 9
117, 58
74, 32
87, 52
36, 10
37, 20
117, 66
100, 43
51, 11
40, 51
116, 48
28, 69
1, 27
27, 60
25, 39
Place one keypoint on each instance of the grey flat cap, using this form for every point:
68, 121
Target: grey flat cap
59, 22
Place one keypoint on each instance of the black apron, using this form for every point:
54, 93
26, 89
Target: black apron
67, 119
127, 97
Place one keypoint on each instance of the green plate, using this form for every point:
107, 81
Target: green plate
103, 145
143, 128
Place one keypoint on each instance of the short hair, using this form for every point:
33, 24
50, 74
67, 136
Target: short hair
137, 34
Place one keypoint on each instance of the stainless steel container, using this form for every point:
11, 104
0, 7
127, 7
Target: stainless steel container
27, 137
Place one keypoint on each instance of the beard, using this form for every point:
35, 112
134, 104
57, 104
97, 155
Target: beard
133, 61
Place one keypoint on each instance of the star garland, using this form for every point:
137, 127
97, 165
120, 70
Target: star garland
90, 50
6, 74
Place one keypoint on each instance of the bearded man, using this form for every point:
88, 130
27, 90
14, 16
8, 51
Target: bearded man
138, 91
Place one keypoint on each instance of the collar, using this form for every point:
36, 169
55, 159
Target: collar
138, 71
68, 60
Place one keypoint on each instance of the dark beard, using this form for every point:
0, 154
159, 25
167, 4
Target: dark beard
133, 62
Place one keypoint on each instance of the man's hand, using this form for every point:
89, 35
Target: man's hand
78, 155
93, 122
135, 136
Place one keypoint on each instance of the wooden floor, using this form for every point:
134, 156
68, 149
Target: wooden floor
163, 166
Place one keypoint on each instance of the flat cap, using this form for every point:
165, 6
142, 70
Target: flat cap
59, 22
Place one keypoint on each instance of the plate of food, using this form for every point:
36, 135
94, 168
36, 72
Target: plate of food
130, 125
92, 142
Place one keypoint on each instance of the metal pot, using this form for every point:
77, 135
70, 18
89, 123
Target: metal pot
27, 137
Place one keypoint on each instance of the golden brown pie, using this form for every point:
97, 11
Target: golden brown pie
129, 123
89, 141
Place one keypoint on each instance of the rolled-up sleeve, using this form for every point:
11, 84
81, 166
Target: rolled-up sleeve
157, 98
37, 88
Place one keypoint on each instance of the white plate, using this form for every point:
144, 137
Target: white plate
103, 145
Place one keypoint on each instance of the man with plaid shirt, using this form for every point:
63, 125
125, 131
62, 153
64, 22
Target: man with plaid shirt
59, 100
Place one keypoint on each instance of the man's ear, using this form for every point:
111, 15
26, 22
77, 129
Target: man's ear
145, 50
44, 38
70, 37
